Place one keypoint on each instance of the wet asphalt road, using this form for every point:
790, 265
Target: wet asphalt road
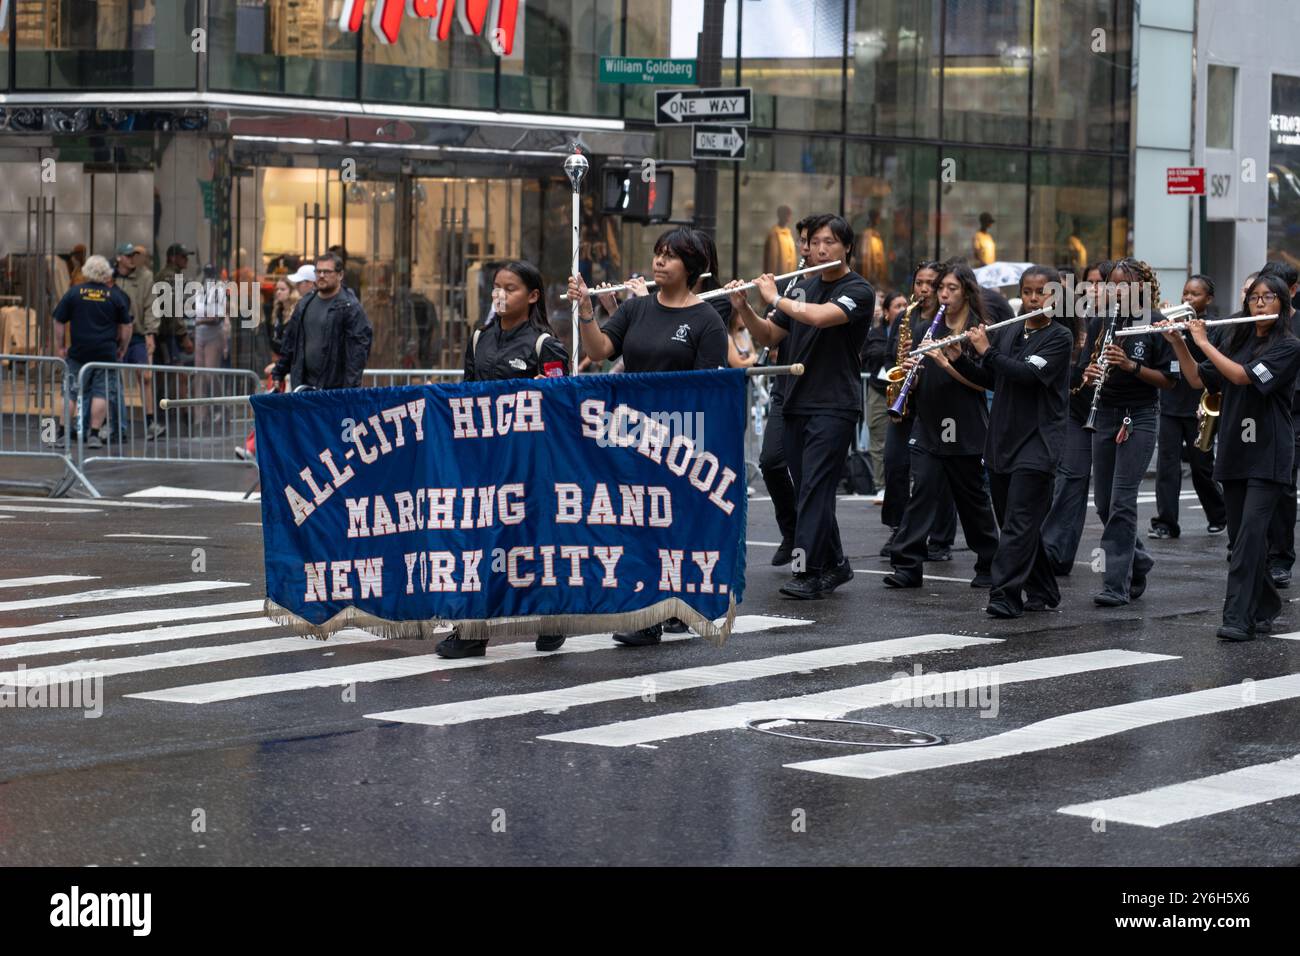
304, 776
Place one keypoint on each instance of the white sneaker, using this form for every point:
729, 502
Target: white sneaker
155, 430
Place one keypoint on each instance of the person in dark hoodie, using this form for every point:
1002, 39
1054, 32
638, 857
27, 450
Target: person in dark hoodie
327, 341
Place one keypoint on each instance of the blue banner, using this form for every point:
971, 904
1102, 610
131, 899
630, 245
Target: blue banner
532, 506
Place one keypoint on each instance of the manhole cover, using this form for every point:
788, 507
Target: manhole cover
843, 733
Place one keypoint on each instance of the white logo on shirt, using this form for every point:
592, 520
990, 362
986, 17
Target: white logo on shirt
847, 302
681, 333
519, 364
1262, 373
1037, 361
1139, 350
1175, 367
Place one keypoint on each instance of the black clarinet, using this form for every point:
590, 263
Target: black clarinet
1091, 424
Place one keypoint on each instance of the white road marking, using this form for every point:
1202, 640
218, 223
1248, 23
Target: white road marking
661, 682
164, 537
1289, 635
133, 618
1073, 728
35, 509
413, 666
97, 502
834, 704
928, 577
167, 491
120, 594
164, 660
1198, 798
46, 579
123, 638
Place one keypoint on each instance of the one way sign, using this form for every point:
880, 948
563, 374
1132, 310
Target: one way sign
719, 142
673, 107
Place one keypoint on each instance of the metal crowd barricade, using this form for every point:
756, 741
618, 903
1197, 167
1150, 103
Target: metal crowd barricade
35, 419
199, 434
391, 377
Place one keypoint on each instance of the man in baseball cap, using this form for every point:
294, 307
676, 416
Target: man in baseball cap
172, 331
304, 280
136, 280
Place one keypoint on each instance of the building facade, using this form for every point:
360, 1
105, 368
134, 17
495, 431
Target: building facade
428, 140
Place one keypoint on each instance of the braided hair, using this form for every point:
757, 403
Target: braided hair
1132, 267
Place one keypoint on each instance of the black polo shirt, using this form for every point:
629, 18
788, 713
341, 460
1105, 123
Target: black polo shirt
1256, 438
1031, 369
1125, 389
832, 382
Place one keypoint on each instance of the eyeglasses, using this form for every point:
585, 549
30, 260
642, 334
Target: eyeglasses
1262, 298
327, 272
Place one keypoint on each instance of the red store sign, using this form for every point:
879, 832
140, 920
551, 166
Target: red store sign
1185, 180
474, 16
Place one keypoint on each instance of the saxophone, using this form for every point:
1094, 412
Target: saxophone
896, 374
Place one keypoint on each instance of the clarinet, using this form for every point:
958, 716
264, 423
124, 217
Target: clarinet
1091, 424
896, 409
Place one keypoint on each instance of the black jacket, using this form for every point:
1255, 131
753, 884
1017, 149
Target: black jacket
347, 346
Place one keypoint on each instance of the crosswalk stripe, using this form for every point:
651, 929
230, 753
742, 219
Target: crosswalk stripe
102, 622
123, 638
37, 509
1198, 798
46, 579
1289, 636
836, 703
79, 670
928, 577
510, 705
412, 666
1073, 728
162, 537
168, 491
97, 502
120, 594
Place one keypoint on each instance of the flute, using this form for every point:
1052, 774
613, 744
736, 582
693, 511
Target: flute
1182, 326
649, 284
715, 293
963, 336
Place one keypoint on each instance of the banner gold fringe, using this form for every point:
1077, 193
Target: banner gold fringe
570, 625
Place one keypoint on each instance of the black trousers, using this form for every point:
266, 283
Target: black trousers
815, 449
1021, 501
898, 480
963, 477
771, 462
1178, 437
1251, 595
1281, 532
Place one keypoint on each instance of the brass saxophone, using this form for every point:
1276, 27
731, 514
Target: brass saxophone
897, 374
1207, 418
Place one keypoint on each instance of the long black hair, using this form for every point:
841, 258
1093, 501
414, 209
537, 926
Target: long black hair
970, 289
711, 252
532, 279
1280, 329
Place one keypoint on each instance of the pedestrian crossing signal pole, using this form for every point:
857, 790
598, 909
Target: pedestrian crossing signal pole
575, 167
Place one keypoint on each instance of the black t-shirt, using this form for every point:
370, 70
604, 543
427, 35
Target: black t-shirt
832, 382
1030, 397
514, 354
951, 418
1081, 395
1181, 400
1256, 439
876, 357
1125, 389
996, 306
656, 338
93, 311
315, 326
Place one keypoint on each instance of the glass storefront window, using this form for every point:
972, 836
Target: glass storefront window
556, 65
281, 46
986, 71
1069, 219
4, 53
105, 44
893, 68
672, 28
891, 204
1081, 65
1220, 102
984, 181
421, 69
1284, 171
792, 54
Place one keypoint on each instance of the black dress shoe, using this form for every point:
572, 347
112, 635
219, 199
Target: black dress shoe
674, 626
898, 581
1229, 633
1281, 577
1137, 586
836, 576
1001, 610
454, 647
1106, 599
938, 553
784, 554
1040, 604
888, 547
549, 642
982, 581
806, 585
1264, 627
641, 638
1217, 527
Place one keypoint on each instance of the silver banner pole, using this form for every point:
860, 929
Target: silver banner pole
575, 167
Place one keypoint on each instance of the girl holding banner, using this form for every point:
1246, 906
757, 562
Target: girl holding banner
516, 343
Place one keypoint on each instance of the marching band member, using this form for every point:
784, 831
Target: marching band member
517, 343
876, 361
1029, 365
1281, 541
825, 322
1178, 427
1138, 367
1063, 527
947, 441
1255, 371
670, 330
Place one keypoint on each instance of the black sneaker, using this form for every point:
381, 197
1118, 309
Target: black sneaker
1040, 604
1000, 609
674, 626
1229, 633
938, 553
1160, 531
549, 642
836, 576
896, 580
454, 647
1137, 586
1281, 577
806, 585
784, 554
641, 638
1264, 627
888, 547
1216, 528
1106, 599
984, 581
